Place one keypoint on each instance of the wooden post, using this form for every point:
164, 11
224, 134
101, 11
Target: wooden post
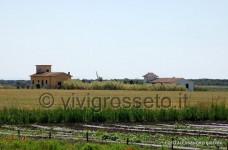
172, 144
50, 134
19, 133
127, 141
87, 136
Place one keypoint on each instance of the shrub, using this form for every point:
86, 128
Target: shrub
117, 85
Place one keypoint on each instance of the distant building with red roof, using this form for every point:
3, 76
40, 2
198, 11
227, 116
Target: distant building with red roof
45, 78
150, 76
154, 79
167, 80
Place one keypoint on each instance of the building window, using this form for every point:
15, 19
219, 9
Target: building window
32, 81
42, 82
47, 70
46, 81
38, 81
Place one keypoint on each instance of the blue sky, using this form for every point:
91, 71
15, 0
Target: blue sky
116, 38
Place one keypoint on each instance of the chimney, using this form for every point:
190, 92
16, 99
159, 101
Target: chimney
68, 73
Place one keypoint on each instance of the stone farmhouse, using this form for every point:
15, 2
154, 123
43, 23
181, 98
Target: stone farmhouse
45, 78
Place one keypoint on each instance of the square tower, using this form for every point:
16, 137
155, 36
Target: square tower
43, 68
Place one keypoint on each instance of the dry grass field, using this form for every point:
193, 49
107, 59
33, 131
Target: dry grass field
24, 98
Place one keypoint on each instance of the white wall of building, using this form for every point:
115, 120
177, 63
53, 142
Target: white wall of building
186, 83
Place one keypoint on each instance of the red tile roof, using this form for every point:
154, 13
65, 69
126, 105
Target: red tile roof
150, 74
47, 74
166, 80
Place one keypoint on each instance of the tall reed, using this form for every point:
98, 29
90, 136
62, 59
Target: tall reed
215, 112
116, 85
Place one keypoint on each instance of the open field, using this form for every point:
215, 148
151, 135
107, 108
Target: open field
24, 98
49, 106
29, 117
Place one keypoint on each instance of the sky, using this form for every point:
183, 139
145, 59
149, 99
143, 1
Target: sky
116, 38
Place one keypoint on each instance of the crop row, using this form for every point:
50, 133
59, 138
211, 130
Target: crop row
215, 112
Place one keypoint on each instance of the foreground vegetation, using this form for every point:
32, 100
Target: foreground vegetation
76, 139
116, 85
44, 144
215, 112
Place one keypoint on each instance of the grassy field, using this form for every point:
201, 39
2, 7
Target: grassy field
38, 106
44, 144
24, 98
30, 106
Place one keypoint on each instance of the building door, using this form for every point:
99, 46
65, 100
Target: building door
38, 86
187, 86
59, 85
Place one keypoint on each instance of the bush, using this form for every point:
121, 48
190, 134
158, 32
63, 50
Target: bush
117, 85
